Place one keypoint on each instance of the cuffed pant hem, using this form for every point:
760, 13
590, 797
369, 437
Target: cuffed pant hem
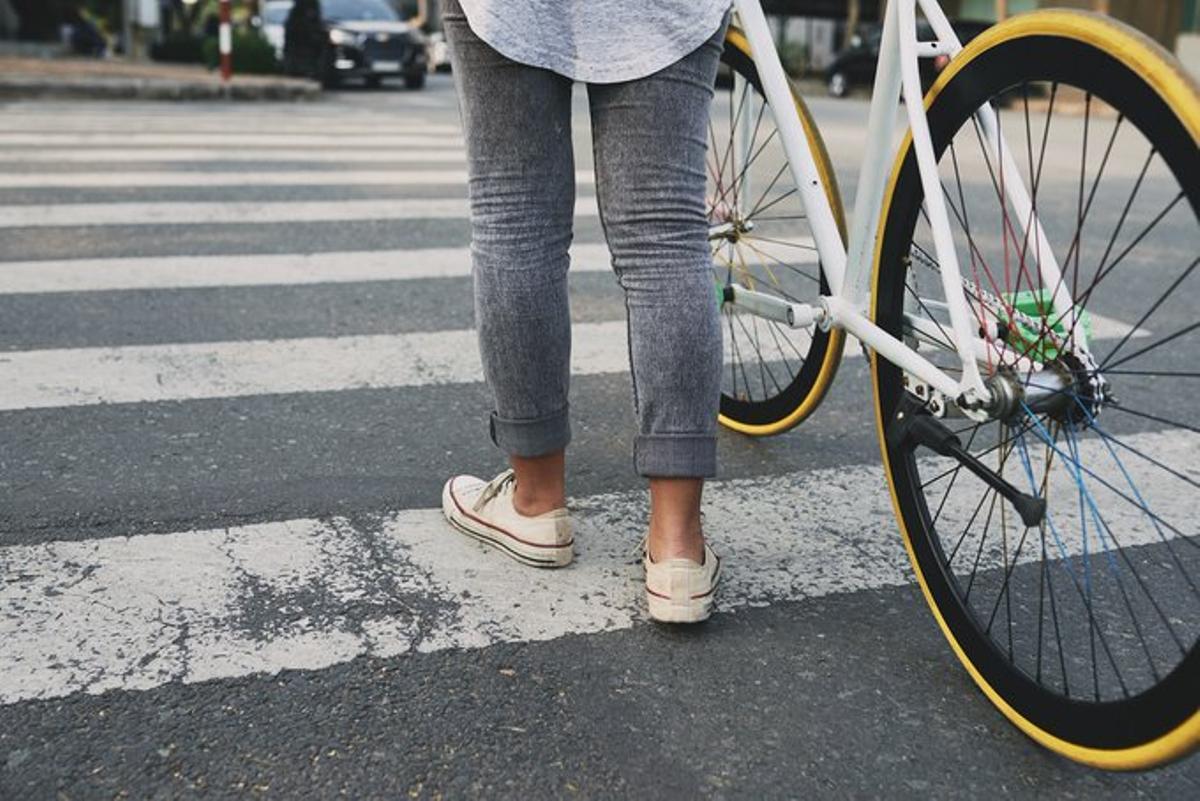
675, 455
530, 438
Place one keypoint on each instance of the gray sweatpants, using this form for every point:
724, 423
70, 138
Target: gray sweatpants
650, 142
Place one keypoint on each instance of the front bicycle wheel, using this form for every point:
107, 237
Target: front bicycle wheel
774, 376
1083, 628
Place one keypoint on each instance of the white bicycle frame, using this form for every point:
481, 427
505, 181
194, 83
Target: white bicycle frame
849, 268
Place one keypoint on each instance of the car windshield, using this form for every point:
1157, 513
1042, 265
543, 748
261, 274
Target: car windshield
276, 13
371, 10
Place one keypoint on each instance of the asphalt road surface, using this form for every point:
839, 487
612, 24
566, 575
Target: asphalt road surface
236, 365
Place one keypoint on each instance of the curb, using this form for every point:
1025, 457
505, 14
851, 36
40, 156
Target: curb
118, 88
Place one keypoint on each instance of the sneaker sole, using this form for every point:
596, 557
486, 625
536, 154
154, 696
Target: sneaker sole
533, 556
696, 609
666, 611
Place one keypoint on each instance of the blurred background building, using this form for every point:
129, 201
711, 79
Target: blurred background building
810, 32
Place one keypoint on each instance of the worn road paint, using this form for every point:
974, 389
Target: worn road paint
137, 612
183, 179
215, 154
246, 212
189, 272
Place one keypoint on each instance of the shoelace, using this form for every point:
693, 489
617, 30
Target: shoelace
494, 487
642, 549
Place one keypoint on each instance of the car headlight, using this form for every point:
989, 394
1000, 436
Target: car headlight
340, 37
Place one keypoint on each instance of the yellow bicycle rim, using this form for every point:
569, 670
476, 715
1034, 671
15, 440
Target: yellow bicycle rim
1144, 56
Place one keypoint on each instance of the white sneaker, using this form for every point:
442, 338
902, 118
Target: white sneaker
680, 590
484, 510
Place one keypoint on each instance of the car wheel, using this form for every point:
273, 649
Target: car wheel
415, 80
324, 72
839, 84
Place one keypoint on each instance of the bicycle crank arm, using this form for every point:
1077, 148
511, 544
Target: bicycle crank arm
769, 307
915, 426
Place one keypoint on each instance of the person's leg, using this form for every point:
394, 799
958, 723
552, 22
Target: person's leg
517, 122
650, 145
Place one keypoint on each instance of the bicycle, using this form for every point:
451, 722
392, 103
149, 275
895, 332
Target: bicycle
1040, 450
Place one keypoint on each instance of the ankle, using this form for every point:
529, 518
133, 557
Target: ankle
541, 483
679, 541
675, 529
533, 501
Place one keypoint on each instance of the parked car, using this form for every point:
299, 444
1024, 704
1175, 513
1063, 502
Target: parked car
274, 15
855, 65
439, 52
355, 39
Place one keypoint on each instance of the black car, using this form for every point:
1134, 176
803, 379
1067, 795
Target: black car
335, 40
855, 65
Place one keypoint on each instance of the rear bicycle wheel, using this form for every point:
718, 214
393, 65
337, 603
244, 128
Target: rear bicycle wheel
774, 376
1082, 630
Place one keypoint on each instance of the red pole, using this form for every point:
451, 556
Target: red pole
225, 42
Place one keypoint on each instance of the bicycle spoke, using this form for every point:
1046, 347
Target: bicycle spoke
781, 242
1105, 271
764, 243
954, 476
1094, 426
1181, 333
1009, 568
758, 353
1024, 427
748, 241
780, 218
1151, 373
774, 202
1099, 601
1095, 632
1141, 501
947, 340
1156, 418
737, 179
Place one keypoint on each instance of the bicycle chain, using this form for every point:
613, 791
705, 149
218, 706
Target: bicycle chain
996, 304
1085, 361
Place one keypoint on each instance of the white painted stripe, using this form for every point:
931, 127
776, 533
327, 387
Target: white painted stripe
242, 179
138, 373
1109, 328
227, 139
104, 155
134, 613
44, 116
241, 126
38, 379
436, 102
246, 212
179, 272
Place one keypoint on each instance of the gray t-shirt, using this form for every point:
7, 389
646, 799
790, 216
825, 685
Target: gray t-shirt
596, 41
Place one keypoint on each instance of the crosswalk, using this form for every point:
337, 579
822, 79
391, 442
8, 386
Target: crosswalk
183, 272
435, 136
135, 609
147, 604
261, 155
129, 598
181, 178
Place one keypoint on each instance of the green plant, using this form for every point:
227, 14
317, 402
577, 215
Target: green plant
179, 48
252, 54
794, 57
